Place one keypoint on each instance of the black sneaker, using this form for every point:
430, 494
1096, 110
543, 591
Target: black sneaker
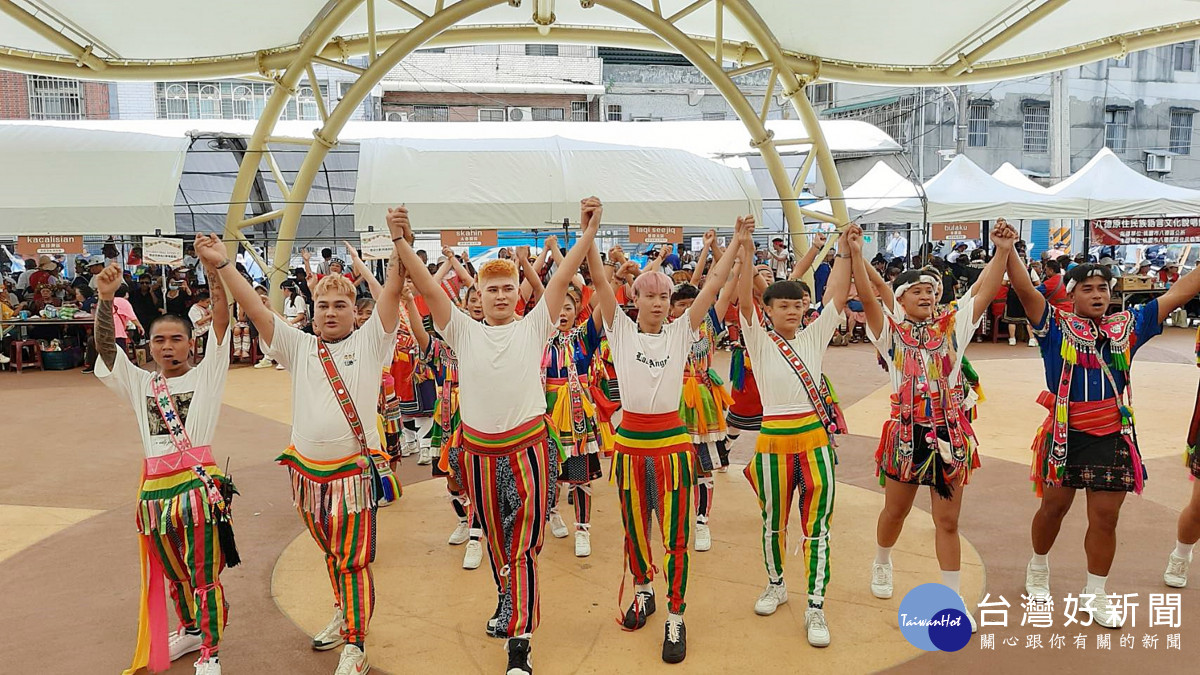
518, 657
494, 629
641, 607
674, 642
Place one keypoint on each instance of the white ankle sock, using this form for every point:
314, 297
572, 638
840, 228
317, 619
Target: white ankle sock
1040, 561
643, 588
951, 579
1095, 582
678, 618
883, 555
1183, 550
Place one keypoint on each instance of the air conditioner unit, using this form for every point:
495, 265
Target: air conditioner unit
397, 117
1158, 162
520, 114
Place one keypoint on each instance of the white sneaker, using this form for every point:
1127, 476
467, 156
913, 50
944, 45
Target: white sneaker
703, 537
4, 359
425, 456
264, 363
1032, 342
461, 533
279, 366
583, 543
208, 667
818, 631
182, 642
1103, 613
557, 527
331, 636
1012, 342
353, 662
970, 617
881, 581
409, 448
473, 556
771, 598
1177, 569
1037, 581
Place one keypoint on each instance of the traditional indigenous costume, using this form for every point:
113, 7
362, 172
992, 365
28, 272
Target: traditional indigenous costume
795, 447
745, 412
336, 463
928, 439
654, 465
570, 404
509, 462
183, 510
703, 407
1088, 439
416, 390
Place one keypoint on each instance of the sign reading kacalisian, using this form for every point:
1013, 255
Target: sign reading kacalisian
469, 237
1116, 231
655, 234
53, 244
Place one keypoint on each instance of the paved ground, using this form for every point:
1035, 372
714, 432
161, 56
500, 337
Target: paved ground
69, 465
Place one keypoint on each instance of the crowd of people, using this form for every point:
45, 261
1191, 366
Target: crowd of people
514, 379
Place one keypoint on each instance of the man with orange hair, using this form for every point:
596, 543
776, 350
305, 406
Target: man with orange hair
509, 465
335, 379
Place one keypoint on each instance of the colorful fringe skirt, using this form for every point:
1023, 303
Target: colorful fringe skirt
171, 486
791, 434
322, 487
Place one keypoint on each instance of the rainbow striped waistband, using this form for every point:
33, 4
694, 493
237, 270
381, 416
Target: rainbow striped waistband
654, 435
322, 471
791, 433
173, 474
505, 442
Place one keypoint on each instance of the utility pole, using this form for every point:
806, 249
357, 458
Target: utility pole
920, 131
960, 144
1060, 147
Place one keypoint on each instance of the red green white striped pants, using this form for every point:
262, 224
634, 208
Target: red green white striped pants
663, 485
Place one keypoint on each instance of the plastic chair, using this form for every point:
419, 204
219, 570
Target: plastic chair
18, 354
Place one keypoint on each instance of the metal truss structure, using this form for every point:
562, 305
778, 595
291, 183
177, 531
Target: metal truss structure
735, 32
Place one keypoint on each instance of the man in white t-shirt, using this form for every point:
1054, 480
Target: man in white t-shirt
653, 465
332, 483
176, 408
509, 467
794, 452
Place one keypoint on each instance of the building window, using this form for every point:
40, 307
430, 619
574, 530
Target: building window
431, 113
242, 98
54, 98
548, 115
977, 124
646, 118
541, 50
820, 93
491, 114
1116, 129
1181, 132
579, 111
712, 116
209, 97
614, 113
176, 102
895, 115
1035, 130
1185, 56
306, 103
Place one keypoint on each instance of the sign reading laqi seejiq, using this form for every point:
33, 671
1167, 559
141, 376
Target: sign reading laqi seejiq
469, 238
51, 244
655, 234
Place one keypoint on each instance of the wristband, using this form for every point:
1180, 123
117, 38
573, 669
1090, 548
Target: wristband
223, 265
398, 239
842, 255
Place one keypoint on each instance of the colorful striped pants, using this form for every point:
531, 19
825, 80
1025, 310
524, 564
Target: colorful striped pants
663, 485
348, 541
774, 477
191, 558
511, 494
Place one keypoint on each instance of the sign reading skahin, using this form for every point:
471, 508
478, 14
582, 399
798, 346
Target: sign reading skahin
932, 617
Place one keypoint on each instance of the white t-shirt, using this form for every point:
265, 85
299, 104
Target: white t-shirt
294, 307
196, 314
964, 330
499, 376
780, 389
319, 428
196, 394
650, 367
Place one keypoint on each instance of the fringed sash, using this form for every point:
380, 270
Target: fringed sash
324, 487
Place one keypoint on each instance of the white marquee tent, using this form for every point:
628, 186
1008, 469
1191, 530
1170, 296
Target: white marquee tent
1011, 175
1106, 188
880, 187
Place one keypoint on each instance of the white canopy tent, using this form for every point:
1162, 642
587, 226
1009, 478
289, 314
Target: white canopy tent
1011, 175
1106, 188
963, 191
524, 183
56, 180
880, 187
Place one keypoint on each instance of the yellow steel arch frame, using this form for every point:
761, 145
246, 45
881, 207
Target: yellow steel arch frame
699, 53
